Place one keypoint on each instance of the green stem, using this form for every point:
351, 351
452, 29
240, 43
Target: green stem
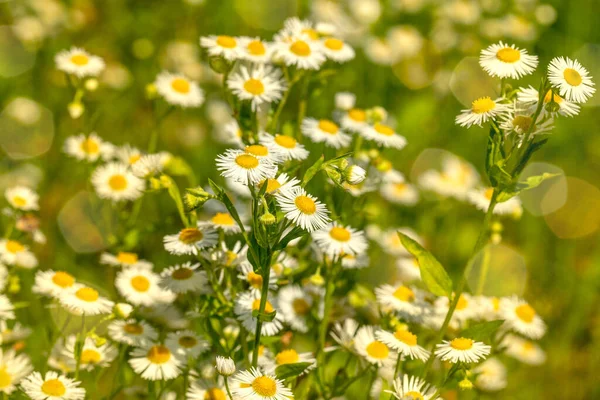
485, 266
264, 293
227, 388
79, 347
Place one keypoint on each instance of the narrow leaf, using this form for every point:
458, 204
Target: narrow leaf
482, 331
287, 371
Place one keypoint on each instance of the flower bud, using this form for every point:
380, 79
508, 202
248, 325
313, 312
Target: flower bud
377, 114
465, 384
354, 174
268, 219
91, 84
219, 64
231, 331
344, 101
122, 310
76, 109
553, 107
225, 366
151, 92
317, 279
334, 174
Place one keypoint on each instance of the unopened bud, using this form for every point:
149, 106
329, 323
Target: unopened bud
225, 366
465, 384
151, 92
268, 219
344, 101
122, 310
91, 84
354, 174
317, 280
76, 109
334, 174
377, 114
219, 64
553, 107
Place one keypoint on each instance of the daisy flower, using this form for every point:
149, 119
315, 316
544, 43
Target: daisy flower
132, 332
572, 80
383, 135
337, 50
466, 308
325, 131
482, 110
530, 97
490, 375
52, 386
525, 351
345, 101
404, 342
261, 151
462, 350
256, 50
412, 387
300, 52
90, 148
22, 198
202, 392
91, 355
518, 120
223, 221
224, 46
488, 308
13, 252
336, 240
295, 26
183, 278
244, 167
140, 287
260, 84
6, 308
178, 90
456, 178
355, 120
408, 269
400, 193
53, 283
13, 368
506, 61
350, 261
191, 240
116, 182
186, 344
344, 333
373, 350
155, 362
230, 134
520, 317
282, 183
15, 333
295, 306
84, 300
254, 280
148, 165
247, 302
481, 199
254, 385
225, 365
79, 62
124, 259
286, 146
291, 356
400, 298
127, 154
303, 209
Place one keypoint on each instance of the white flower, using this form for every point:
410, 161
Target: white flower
84, 300
260, 84
482, 110
344, 333
244, 167
520, 317
183, 278
326, 131
227, 47
337, 50
124, 259
13, 368
203, 391
525, 351
404, 342
355, 175
463, 350
89, 148
413, 388
291, 356
254, 385
335, 240
123, 310
155, 362
191, 240
247, 302
115, 181
408, 269
345, 100
79, 62
300, 52
22, 198
405, 300
223, 221
355, 120
295, 306
286, 146
256, 50
303, 209
373, 350
254, 280
186, 344
140, 286
400, 193
456, 178
481, 199
6, 308
530, 97
91, 355
490, 375
132, 332
148, 165
225, 366
506, 61
518, 119
178, 90
13, 252
572, 80
53, 283
467, 307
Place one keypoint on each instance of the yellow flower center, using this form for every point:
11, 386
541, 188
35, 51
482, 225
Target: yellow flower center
522, 122
488, 193
158, 354
140, 283
134, 158
63, 279
117, 182
285, 141
53, 387
226, 41
413, 395
328, 126
80, 59
508, 55
557, 98
19, 201
87, 294
256, 48
483, 105
400, 188
257, 150
314, 35
246, 161
406, 337
572, 77
90, 356
265, 386
405, 294
5, 378
254, 86
525, 312
268, 306
127, 258
383, 129
180, 85
305, 204
461, 344
300, 48
12, 246
133, 329
214, 394
222, 219
89, 146
496, 303
272, 184
190, 235
254, 279
300, 306
340, 234
378, 350
182, 274
187, 341
462, 303
358, 115
334, 44
287, 357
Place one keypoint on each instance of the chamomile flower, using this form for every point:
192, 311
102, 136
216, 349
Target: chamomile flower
526, 351
22, 198
355, 120
295, 306
191, 240
530, 97
335, 240
79, 62
84, 300
183, 278
337, 50
371, 349
140, 287
466, 308
506, 61
481, 199
303, 209
127, 154
260, 84
89, 148
383, 135
412, 387
462, 350
224, 46
401, 298
404, 342
13, 252
178, 90
291, 356
12, 334
116, 182
408, 269
246, 303
282, 183
254, 280
286, 146
155, 362
132, 332
53, 283
482, 110
6, 308
186, 344
253, 384
148, 165
295, 26
124, 259
344, 333
325, 131
518, 119
244, 167
261, 151
490, 375
91, 355
400, 193
572, 80
300, 52
52, 386
13, 368
223, 221
256, 50
456, 178
520, 317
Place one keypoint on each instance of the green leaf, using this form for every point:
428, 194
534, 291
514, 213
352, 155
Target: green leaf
494, 152
483, 331
296, 232
499, 177
432, 272
173, 190
264, 317
529, 183
312, 171
287, 371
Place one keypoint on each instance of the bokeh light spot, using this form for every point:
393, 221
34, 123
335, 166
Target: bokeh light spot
26, 128
589, 56
552, 193
14, 58
469, 82
265, 14
497, 270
